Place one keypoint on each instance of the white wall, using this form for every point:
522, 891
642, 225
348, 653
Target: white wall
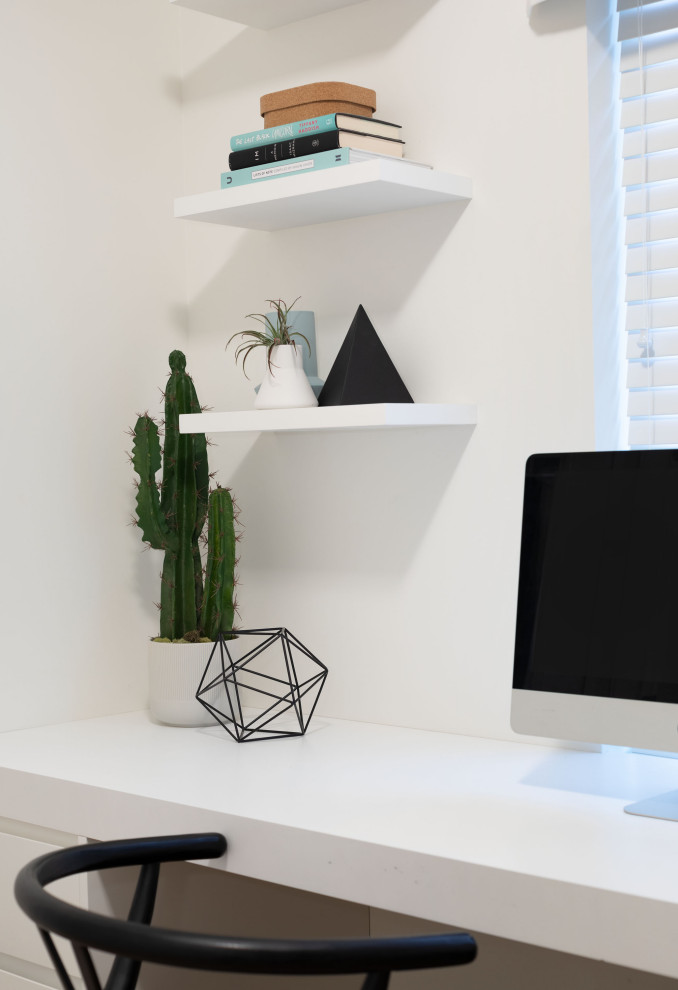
91, 302
394, 556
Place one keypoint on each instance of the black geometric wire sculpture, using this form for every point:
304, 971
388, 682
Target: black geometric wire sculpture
248, 684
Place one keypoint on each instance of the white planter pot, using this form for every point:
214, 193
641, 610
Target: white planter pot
174, 673
285, 385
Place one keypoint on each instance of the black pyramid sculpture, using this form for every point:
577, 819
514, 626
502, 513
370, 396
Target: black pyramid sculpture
362, 370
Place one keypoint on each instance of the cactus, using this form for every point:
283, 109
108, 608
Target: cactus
172, 517
218, 604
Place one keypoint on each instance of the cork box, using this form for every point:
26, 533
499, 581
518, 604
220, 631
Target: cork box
302, 102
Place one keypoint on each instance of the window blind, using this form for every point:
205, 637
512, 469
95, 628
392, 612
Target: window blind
648, 39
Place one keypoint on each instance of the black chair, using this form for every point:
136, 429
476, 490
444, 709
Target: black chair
134, 941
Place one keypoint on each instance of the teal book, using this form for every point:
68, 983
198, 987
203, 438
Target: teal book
295, 166
269, 135
317, 125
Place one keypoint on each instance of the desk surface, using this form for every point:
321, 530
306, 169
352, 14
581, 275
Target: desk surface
516, 840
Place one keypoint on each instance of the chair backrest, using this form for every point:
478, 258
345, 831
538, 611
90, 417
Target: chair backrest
133, 940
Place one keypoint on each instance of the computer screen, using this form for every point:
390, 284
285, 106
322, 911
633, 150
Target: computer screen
596, 648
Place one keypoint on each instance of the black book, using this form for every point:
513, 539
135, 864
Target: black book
279, 151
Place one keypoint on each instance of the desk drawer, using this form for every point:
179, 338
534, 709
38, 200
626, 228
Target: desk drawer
8, 981
18, 935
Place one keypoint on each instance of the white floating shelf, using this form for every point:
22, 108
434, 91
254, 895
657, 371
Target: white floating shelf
377, 416
357, 190
264, 13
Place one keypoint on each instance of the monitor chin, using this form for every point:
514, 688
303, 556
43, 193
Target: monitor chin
650, 725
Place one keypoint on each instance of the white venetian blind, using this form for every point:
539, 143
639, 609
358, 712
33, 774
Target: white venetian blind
648, 37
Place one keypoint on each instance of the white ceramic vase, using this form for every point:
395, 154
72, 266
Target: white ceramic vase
174, 673
285, 385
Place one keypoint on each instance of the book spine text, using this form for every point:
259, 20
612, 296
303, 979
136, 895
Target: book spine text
284, 132
325, 159
280, 151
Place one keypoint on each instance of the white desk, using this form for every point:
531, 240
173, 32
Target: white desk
520, 841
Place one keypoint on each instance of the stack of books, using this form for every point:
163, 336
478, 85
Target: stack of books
310, 145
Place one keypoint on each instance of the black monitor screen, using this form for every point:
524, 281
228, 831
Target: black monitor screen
598, 586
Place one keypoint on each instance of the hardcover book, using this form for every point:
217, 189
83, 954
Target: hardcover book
316, 125
310, 163
311, 143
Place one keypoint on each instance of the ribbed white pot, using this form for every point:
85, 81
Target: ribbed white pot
174, 673
285, 385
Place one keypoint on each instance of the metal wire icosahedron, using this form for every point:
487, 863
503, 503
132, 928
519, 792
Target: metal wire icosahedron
262, 684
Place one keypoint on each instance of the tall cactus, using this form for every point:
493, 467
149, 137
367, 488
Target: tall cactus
172, 517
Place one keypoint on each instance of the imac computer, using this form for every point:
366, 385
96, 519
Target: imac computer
596, 650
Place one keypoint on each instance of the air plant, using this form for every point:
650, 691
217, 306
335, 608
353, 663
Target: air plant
276, 331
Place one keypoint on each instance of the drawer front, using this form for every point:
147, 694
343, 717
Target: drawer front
8, 981
18, 935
